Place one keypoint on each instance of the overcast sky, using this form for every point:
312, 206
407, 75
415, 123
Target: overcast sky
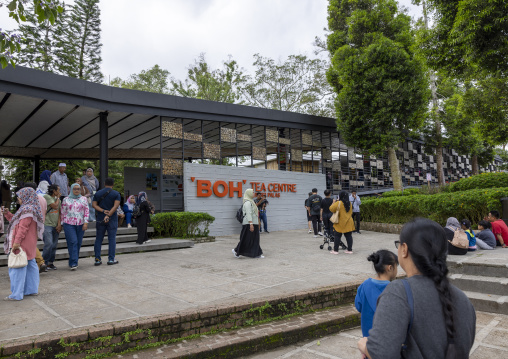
139, 34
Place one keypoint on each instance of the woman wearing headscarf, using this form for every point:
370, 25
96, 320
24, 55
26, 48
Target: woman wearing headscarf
143, 219
346, 224
25, 226
127, 209
74, 215
92, 184
249, 237
453, 224
44, 182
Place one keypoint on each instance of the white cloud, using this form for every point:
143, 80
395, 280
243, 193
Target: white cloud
139, 34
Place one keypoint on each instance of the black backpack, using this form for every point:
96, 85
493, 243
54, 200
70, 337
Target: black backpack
136, 211
239, 214
315, 206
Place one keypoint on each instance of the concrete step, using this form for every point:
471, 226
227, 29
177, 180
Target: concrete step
479, 269
92, 232
491, 303
481, 284
130, 247
89, 241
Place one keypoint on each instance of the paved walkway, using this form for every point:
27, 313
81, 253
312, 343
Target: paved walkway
152, 283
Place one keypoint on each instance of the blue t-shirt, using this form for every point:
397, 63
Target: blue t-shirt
366, 301
107, 202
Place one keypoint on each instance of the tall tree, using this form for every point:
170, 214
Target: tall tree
298, 84
43, 10
468, 33
221, 85
40, 42
81, 49
381, 84
154, 79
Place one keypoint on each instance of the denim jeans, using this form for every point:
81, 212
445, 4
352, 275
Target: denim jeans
24, 280
91, 216
74, 237
128, 218
50, 244
102, 228
262, 217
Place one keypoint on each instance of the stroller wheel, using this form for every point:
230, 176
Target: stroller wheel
321, 247
329, 248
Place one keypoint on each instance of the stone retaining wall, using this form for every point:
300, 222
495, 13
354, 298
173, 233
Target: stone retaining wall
381, 227
112, 338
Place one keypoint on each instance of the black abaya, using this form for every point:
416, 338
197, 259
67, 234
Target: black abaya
142, 222
249, 242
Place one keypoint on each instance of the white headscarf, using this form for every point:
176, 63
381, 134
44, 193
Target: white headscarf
248, 196
42, 189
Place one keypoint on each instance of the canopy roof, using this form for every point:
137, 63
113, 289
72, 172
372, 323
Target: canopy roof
57, 117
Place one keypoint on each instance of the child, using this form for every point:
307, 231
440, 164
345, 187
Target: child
385, 264
466, 226
485, 239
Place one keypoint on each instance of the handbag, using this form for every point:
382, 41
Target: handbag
17, 260
459, 239
335, 217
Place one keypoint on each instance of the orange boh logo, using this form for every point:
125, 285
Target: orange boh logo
205, 188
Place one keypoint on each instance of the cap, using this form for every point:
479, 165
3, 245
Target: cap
62, 165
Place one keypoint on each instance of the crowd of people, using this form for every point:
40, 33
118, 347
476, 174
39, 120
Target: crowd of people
44, 210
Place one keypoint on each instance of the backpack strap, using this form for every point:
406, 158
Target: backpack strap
104, 196
410, 302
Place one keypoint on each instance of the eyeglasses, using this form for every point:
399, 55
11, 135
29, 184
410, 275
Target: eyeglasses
397, 243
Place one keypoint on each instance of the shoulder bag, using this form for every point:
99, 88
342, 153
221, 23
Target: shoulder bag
335, 217
459, 239
19, 260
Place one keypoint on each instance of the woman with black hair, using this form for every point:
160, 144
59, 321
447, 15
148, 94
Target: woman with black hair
442, 322
346, 224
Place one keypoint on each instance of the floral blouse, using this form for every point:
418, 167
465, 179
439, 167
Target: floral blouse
75, 211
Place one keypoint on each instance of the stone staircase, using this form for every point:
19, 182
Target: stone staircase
125, 243
486, 285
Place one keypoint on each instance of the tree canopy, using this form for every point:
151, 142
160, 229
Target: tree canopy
382, 88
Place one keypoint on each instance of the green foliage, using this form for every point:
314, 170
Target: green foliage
182, 224
472, 204
80, 54
298, 84
43, 11
406, 192
221, 85
151, 80
484, 180
468, 34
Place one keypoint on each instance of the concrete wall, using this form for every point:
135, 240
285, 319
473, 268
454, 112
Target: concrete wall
285, 212
135, 182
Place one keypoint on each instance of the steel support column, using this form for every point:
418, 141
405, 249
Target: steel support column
36, 169
104, 158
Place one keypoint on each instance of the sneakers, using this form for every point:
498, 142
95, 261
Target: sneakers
43, 268
315, 236
321, 234
111, 263
98, 262
74, 267
129, 226
310, 231
348, 252
51, 266
9, 298
148, 241
333, 252
234, 253
267, 232
261, 256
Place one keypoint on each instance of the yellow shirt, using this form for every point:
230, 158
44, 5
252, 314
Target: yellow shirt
346, 223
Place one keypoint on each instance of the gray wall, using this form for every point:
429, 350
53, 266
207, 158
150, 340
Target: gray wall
135, 182
285, 212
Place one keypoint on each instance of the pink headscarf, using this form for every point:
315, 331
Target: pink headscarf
30, 207
129, 204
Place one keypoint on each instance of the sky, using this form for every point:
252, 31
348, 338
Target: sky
172, 33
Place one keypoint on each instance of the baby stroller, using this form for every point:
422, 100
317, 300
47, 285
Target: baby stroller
328, 238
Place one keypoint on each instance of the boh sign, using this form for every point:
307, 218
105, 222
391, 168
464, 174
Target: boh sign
221, 188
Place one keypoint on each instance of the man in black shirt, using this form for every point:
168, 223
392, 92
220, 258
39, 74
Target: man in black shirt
314, 209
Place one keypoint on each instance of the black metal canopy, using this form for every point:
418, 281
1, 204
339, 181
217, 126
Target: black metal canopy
52, 116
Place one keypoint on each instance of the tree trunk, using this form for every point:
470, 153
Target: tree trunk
394, 169
475, 165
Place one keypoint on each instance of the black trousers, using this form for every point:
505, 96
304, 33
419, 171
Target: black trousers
349, 240
356, 219
316, 223
327, 224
